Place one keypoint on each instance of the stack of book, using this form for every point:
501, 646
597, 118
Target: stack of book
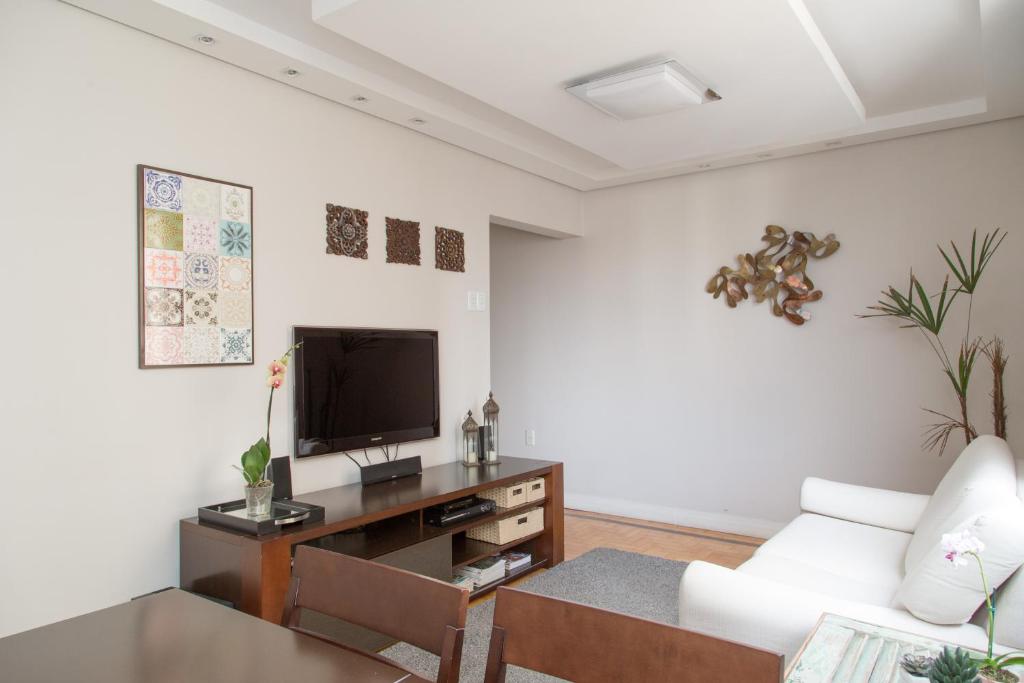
515, 560
484, 571
462, 581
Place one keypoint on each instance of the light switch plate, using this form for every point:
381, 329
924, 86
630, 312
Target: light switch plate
476, 301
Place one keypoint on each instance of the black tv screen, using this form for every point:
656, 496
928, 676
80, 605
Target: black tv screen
356, 388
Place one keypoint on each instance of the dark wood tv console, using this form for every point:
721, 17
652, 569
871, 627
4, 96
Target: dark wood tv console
371, 522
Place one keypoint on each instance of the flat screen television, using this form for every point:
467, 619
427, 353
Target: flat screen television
357, 388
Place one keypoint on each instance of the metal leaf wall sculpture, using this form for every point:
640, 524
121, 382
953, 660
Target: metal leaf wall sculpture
777, 273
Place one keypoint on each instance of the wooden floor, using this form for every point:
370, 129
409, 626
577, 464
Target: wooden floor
588, 530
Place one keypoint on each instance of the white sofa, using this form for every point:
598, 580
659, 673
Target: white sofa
849, 552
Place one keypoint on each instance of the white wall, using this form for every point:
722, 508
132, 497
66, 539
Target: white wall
667, 405
100, 459
663, 403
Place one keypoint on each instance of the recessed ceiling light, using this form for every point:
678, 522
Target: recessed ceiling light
703, 165
206, 40
834, 143
765, 155
292, 73
360, 98
418, 121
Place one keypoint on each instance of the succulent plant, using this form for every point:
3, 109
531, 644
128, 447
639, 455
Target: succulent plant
917, 665
953, 666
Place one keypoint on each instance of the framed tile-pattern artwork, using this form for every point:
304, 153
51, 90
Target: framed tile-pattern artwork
195, 270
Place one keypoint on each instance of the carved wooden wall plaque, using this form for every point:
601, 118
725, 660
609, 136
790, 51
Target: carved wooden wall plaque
346, 231
449, 250
403, 241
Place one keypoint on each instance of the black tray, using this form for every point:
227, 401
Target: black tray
282, 513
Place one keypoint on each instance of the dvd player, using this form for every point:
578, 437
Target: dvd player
460, 510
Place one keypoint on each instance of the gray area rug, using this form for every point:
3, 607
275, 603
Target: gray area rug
631, 583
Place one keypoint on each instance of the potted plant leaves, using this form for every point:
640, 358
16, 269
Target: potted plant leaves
915, 667
953, 666
259, 491
927, 313
958, 546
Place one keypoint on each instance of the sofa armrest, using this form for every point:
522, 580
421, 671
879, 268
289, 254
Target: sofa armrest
748, 609
862, 504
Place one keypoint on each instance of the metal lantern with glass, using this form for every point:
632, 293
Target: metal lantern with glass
489, 432
470, 441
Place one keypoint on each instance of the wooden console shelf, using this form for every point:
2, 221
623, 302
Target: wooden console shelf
468, 550
253, 572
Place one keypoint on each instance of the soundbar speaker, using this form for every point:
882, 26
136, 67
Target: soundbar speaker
394, 469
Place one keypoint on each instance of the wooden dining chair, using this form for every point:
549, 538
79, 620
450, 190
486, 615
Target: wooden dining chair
589, 645
418, 610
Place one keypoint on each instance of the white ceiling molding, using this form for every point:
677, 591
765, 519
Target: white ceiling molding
324, 7
819, 42
795, 75
536, 229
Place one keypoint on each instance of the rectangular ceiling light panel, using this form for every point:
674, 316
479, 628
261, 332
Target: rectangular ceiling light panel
648, 91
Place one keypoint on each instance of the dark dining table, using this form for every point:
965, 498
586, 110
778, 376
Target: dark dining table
174, 636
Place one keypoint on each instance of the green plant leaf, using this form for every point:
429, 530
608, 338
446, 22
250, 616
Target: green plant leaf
921, 314
965, 367
1010, 659
962, 273
953, 667
969, 273
927, 315
254, 461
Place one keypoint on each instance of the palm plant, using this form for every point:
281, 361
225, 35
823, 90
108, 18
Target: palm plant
996, 354
915, 310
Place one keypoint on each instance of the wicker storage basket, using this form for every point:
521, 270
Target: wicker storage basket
507, 496
510, 529
535, 489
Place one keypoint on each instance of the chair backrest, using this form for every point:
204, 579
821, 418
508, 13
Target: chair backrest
418, 610
589, 645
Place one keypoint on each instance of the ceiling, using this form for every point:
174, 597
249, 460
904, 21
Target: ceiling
795, 76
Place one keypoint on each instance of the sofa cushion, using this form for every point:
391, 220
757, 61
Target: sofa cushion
841, 558
939, 592
1009, 629
864, 504
760, 612
984, 472
815, 579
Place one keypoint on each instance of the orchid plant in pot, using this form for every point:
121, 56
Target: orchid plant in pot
958, 546
259, 491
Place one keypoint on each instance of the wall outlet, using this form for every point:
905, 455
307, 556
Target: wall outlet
531, 437
476, 301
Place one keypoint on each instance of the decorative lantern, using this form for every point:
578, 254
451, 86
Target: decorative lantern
470, 441
489, 432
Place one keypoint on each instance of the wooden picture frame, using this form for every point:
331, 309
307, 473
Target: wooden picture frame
195, 270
